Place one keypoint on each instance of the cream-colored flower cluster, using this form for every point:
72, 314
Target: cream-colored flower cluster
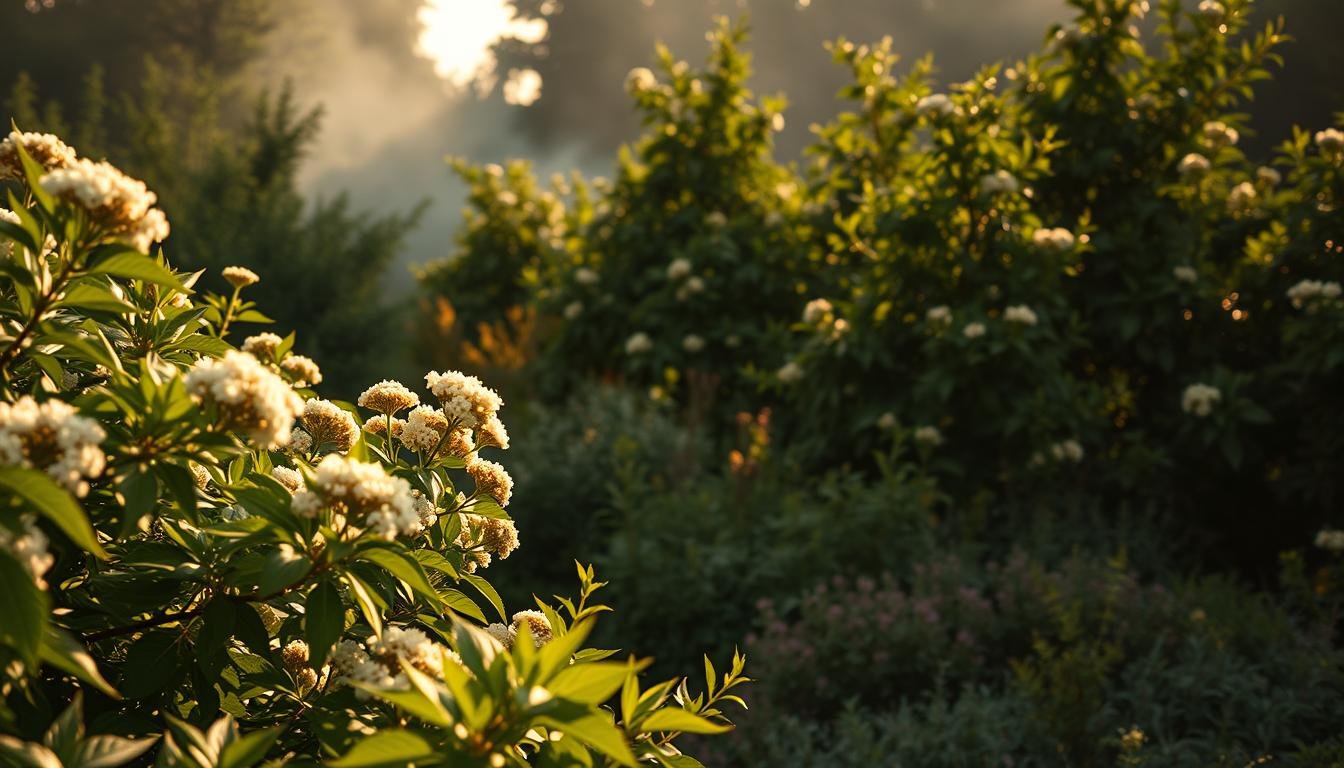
388, 398
1193, 166
54, 438
928, 435
935, 104
1331, 142
47, 150
1185, 274
1242, 198
998, 183
362, 492
973, 330
638, 344
118, 204
1219, 134
640, 79
1199, 399
939, 315
1331, 540
1067, 450
1212, 10
816, 311
302, 371
240, 277
491, 480
465, 400
1020, 314
483, 538
538, 626
377, 662
1309, 294
1056, 239
294, 657
29, 547
331, 427
7, 246
248, 395
790, 373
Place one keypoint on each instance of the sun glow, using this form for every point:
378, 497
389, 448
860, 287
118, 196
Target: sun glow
459, 37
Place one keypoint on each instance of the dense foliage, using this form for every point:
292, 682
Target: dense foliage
206, 564
1159, 315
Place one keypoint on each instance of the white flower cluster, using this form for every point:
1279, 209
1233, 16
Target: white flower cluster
1199, 399
1241, 198
1212, 10
331, 427
240, 277
377, 662
935, 104
46, 150
123, 206
1309, 294
1193, 166
1330, 141
693, 343
290, 478
928, 435
1219, 134
358, 490
1268, 176
29, 547
638, 343
262, 346
1067, 450
640, 79
573, 309
464, 398
248, 395
999, 182
424, 428
1185, 274
678, 269
1331, 540
1055, 239
790, 373
388, 397
54, 438
586, 276
939, 315
1021, 314
973, 330
816, 310
7, 246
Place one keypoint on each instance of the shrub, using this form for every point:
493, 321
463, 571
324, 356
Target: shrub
202, 557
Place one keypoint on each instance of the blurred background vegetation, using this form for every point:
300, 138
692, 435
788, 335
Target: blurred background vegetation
902, 602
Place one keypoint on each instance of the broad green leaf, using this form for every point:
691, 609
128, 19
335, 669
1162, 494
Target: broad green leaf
485, 588
677, 719
249, 749
23, 607
597, 731
323, 621
121, 261
388, 747
43, 495
589, 683
111, 751
61, 650
151, 664
403, 566
94, 296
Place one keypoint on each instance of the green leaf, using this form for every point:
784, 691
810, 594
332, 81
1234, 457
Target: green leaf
151, 664
596, 730
249, 749
677, 719
63, 651
96, 297
403, 566
130, 263
111, 751
589, 683
24, 608
42, 494
323, 621
489, 592
388, 747
462, 604
368, 604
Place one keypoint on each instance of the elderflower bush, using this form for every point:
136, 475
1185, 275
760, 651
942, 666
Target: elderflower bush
206, 564
677, 266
